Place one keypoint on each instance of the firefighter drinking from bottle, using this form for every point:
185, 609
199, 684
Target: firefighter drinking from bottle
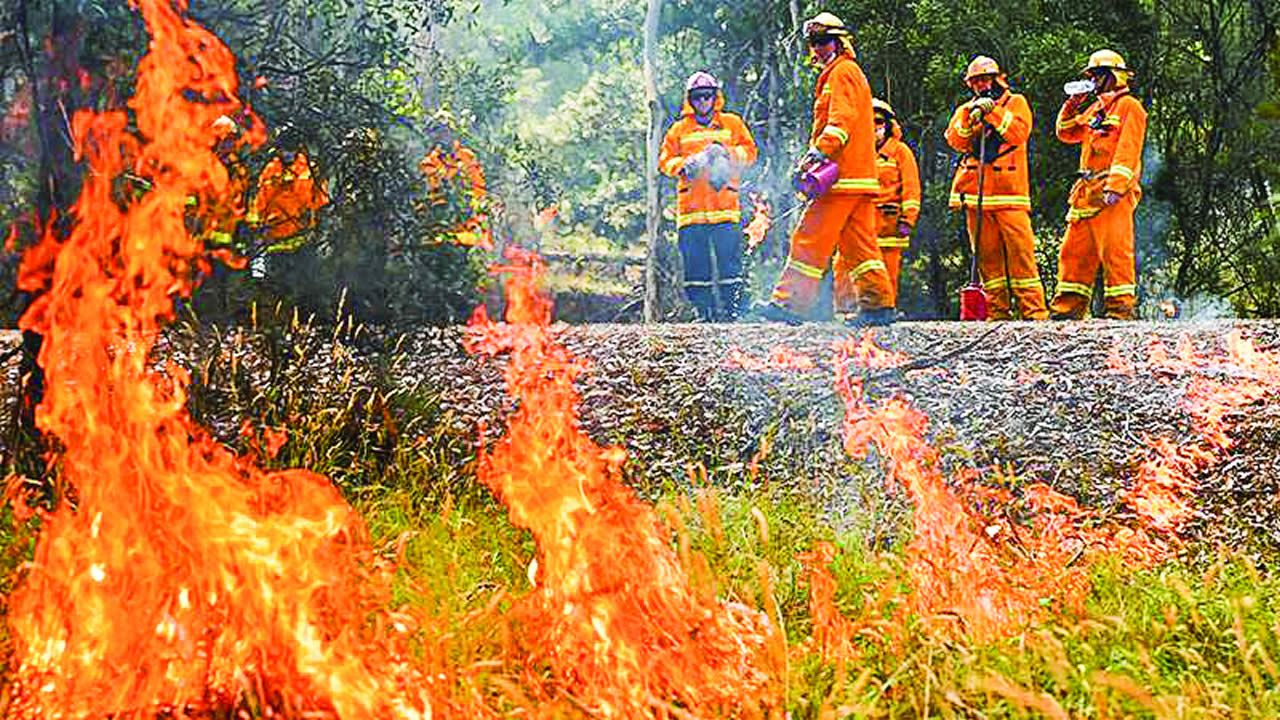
1110, 131
991, 132
839, 174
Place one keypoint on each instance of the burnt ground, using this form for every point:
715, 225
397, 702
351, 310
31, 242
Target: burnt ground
1037, 400
1040, 400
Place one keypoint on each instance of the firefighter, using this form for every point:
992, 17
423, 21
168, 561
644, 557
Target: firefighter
287, 200
844, 218
1006, 248
706, 150
1110, 131
898, 203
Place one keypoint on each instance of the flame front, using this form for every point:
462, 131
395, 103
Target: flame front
180, 578
989, 562
615, 616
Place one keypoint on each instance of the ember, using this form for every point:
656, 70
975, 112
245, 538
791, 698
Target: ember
780, 357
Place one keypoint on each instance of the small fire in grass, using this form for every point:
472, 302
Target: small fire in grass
183, 580
758, 227
781, 357
975, 569
616, 621
862, 350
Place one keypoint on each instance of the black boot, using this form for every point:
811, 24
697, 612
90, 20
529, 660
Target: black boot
871, 317
769, 312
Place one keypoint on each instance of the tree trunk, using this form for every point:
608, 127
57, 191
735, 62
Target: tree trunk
653, 204
794, 8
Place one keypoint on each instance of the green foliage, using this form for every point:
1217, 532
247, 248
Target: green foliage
330, 78
1210, 79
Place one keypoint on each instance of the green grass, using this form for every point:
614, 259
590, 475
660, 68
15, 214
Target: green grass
1175, 641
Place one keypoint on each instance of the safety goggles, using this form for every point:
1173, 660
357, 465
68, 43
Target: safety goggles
820, 39
881, 121
700, 95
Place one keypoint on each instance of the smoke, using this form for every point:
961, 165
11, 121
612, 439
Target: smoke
1153, 223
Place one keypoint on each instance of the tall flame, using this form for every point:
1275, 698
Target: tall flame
615, 617
179, 577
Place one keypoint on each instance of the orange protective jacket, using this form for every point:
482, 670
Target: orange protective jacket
844, 126
1005, 183
1110, 133
287, 198
899, 182
697, 202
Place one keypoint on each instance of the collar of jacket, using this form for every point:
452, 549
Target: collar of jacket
1106, 101
887, 148
839, 58
1110, 98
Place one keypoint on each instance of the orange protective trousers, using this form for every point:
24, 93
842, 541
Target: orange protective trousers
892, 265
1007, 261
1105, 240
891, 247
836, 222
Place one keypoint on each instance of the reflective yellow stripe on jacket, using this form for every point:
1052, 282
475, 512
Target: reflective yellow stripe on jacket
718, 135
708, 217
857, 184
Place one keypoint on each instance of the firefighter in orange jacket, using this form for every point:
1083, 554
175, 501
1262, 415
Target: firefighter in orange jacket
899, 200
844, 218
1006, 250
706, 151
287, 200
1110, 132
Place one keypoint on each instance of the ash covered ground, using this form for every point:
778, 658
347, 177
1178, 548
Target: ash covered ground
1028, 401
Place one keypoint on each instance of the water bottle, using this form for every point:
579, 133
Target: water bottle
1078, 87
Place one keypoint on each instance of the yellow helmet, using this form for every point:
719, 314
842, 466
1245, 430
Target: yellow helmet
981, 65
825, 23
881, 107
1107, 60
1110, 60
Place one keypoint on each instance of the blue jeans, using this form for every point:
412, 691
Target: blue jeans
708, 279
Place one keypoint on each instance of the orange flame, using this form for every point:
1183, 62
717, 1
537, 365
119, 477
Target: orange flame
971, 564
758, 228
615, 618
781, 357
182, 578
863, 351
